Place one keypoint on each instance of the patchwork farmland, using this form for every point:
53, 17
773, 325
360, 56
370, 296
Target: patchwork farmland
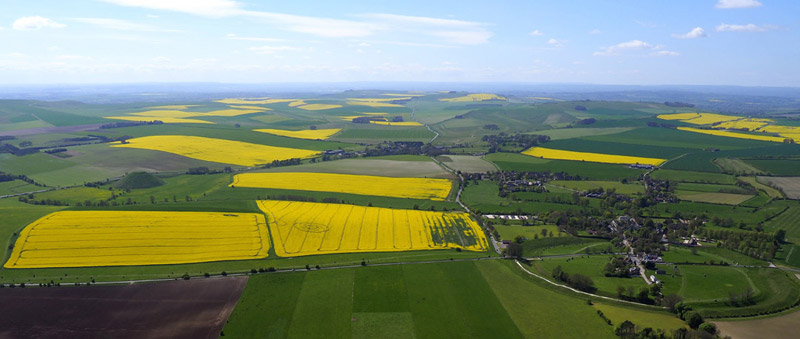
374, 213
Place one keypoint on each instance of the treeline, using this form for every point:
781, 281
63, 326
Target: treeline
367, 120
403, 148
519, 141
205, 170
576, 280
11, 177
753, 244
25, 150
677, 104
130, 124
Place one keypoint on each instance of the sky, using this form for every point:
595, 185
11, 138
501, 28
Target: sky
642, 42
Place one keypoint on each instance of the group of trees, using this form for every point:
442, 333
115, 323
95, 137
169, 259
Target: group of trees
575, 280
516, 141
754, 244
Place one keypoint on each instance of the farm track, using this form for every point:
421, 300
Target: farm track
458, 200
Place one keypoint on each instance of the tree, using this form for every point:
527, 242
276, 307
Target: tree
670, 301
780, 236
694, 319
152, 199
644, 295
626, 330
514, 250
655, 290
709, 327
620, 291
519, 239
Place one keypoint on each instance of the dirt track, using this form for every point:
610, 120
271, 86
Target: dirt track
196, 308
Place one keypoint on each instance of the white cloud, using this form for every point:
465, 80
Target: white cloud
556, 42
634, 46
741, 28
121, 25
594, 31
35, 22
272, 49
697, 32
536, 32
215, 8
452, 31
728, 4
232, 36
664, 53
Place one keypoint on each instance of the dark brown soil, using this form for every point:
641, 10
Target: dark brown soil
196, 308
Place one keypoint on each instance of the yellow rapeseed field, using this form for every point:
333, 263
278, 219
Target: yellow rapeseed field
165, 114
699, 118
748, 124
125, 238
548, 153
217, 150
733, 134
176, 116
305, 228
789, 132
312, 134
678, 116
251, 107
474, 97
230, 112
297, 103
711, 118
414, 188
318, 107
402, 95
165, 120
253, 101
373, 104
173, 107
402, 123
406, 97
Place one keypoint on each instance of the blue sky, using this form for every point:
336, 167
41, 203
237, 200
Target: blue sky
697, 42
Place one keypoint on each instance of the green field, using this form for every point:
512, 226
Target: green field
790, 186
510, 232
364, 302
17, 186
586, 170
448, 293
787, 221
691, 176
467, 163
605, 185
591, 266
737, 166
713, 198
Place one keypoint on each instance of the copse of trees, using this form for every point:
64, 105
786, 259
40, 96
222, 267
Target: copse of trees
576, 280
497, 142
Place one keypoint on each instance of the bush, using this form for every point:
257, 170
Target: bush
709, 327
694, 319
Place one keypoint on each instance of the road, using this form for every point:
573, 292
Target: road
636, 260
